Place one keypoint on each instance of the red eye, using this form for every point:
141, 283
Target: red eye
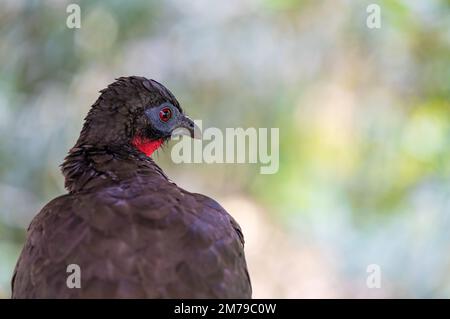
165, 114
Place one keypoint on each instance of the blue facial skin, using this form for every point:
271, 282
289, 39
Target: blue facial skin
177, 120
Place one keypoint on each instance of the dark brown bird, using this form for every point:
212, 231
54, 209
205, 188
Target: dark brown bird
132, 232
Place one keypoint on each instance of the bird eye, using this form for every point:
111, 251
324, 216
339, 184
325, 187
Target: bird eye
165, 114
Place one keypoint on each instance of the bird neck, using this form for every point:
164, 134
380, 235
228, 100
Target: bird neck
89, 166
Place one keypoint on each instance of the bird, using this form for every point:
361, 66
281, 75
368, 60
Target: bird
132, 232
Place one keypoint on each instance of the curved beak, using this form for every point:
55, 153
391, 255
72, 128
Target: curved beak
187, 127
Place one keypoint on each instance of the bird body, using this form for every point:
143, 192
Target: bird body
132, 232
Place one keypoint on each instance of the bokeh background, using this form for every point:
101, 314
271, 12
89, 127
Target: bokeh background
363, 114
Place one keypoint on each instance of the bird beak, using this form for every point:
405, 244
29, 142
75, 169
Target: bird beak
187, 127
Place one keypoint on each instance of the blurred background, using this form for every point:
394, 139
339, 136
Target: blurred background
363, 114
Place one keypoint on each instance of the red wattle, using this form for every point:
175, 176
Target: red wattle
146, 145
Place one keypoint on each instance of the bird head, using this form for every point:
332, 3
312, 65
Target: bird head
135, 111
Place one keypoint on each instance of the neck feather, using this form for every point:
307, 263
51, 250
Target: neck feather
89, 166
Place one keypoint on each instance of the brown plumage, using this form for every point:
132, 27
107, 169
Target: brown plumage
133, 232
